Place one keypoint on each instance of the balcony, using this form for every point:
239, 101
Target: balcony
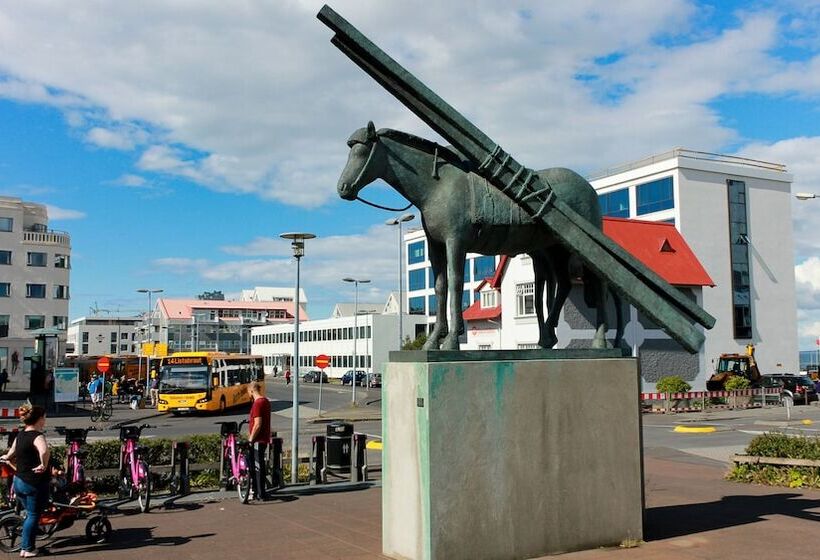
54, 238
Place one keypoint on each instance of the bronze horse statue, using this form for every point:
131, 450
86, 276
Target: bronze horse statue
461, 213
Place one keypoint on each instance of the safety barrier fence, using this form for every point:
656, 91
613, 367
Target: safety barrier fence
693, 401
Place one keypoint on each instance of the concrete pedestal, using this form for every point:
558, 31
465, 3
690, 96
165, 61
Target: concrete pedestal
510, 458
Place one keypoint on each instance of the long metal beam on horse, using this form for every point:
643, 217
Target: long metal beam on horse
642, 287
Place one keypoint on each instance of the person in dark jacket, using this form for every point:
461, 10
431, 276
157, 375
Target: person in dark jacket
31, 455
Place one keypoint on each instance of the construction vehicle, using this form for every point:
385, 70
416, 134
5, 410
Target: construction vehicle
730, 365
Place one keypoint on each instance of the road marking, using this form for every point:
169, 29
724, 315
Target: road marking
694, 429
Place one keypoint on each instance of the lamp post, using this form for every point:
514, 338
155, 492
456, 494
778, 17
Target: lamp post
298, 245
809, 196
355, 282
398, 222
150, 323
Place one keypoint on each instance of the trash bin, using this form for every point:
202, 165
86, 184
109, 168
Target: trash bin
339, 440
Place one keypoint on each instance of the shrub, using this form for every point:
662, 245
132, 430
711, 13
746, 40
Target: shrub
782, 446
672, 384
737, 382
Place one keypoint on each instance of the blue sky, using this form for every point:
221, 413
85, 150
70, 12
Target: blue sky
174, 141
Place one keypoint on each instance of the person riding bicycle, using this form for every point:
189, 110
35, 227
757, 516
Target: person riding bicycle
95, 389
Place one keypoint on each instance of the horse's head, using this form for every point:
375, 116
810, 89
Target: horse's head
364, 163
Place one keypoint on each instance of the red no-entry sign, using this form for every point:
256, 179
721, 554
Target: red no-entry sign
103, 364
321, 361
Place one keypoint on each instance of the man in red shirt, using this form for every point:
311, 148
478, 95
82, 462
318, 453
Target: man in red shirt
259, 436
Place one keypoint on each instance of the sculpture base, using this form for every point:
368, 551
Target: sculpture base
510, 459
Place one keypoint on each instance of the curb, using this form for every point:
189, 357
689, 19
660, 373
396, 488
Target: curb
695, 429
328, 419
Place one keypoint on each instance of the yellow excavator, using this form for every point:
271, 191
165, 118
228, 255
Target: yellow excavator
730, 365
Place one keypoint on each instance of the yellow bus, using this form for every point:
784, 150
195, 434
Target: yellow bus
206, 381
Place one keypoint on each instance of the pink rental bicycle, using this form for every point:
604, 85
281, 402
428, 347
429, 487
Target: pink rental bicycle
235, 455
135, 474
75, 438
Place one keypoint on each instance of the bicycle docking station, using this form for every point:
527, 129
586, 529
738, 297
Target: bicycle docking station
180, 473
341, 451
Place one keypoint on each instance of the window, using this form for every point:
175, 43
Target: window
488, 299
739, 258
113, 349
416, 305
615, 203
60, 292
123, 348
37, 259
4, 326
415, 252
415, 279
5, 257
528, 346
5, 289
84, 349
431, 306
483, 267
6, 224
124, 336
465, 299
655, 196
525, 299
59, 321
62, 261
85, 336
113, 337
485, 346
35, 291
35, 322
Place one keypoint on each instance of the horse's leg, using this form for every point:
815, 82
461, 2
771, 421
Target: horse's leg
455, 287
559, 266
601, 289
543, 276
438, 262
619, 318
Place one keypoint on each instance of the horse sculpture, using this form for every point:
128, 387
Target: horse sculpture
461, 213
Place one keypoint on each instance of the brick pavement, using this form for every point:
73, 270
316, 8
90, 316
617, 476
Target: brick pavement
692, 513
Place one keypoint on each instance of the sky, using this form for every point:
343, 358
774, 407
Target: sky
176, 139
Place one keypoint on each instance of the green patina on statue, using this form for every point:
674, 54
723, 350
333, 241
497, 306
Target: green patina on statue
554, 201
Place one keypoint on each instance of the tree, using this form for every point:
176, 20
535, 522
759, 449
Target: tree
216, 295
414, 344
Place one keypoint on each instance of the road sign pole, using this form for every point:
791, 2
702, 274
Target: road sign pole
321, 382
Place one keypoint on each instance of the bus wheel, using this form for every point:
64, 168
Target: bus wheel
222, 405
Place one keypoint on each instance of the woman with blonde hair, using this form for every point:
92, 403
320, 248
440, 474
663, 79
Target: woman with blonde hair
31, 455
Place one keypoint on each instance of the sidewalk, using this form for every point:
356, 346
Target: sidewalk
692, 513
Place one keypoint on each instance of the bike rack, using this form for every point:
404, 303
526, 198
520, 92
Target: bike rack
179, 458
276, 465
358, 459
318, 460
358, 465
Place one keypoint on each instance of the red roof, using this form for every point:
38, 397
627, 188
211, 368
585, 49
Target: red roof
476, 313
661, 247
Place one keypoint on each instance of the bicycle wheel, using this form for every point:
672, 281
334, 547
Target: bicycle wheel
98, 529
11, 529
243, 486
107, 410
95, 413
144, 488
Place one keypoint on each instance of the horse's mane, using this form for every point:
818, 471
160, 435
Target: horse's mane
447, 153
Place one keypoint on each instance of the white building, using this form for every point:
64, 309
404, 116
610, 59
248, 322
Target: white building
34, 282
270, 293
98, 336
377, 335
734, 214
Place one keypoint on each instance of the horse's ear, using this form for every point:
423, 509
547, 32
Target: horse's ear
371, 130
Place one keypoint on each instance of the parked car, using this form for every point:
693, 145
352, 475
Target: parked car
800, 388
313, 376
375, 380
361, 377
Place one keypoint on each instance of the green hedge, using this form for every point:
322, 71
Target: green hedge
785, 447
672, 384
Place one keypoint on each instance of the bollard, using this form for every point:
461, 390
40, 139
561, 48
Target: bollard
276, 465
317, 460
179, 460
358, 470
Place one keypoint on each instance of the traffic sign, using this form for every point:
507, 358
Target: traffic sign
321, 361
103, 364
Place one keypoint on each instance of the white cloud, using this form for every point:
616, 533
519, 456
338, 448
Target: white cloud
107, 138
131, 180
57, 213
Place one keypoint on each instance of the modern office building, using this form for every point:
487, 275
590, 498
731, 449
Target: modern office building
735, 216
103, 335
34, 282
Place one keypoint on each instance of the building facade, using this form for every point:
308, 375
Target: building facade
99, 336
35, 264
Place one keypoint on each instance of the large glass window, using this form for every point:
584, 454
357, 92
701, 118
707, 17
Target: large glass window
4, 326
431, 306
35, 291
615, 203
483, 267
415, 279
5, 289
415, 252
525, 299
5, 257
37, 259
739, 256
655, 196
416, 305
35, 321
6, 224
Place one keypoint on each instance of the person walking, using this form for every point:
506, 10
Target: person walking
287, 377
259, 438
31, 456
4, 379
154, 390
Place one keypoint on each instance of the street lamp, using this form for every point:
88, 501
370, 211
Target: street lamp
356, 282
298, 246
398, 222
805, 195
150, 323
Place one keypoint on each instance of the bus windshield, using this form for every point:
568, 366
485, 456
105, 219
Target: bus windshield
183, 379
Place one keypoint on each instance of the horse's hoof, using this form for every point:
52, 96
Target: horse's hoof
548, 343
450, 344
600, 344
430, 345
